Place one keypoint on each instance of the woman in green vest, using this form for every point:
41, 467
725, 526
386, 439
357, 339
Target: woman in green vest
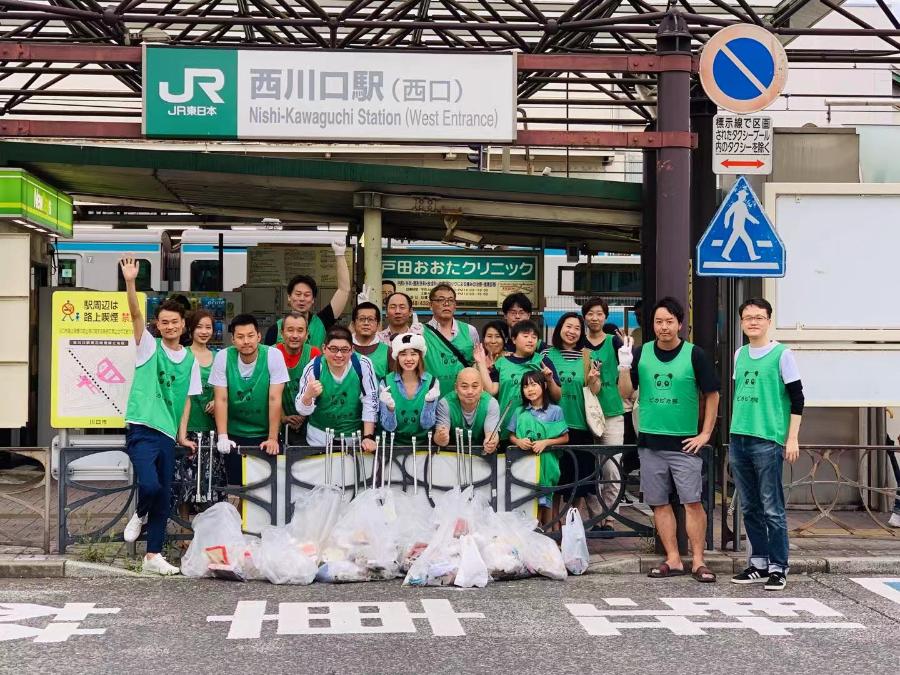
409, 395
199, 422
536, 426
503, 379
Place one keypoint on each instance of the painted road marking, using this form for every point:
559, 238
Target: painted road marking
886, 587
65, 621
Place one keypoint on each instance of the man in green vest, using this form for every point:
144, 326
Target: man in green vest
450, 342
297, 352
249, 379
470, 408
672, 377
366, 319
165, 376
765, 430
302, 291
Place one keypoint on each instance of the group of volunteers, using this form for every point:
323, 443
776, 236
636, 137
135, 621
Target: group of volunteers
502, 384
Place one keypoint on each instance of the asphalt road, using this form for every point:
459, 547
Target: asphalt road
531, 626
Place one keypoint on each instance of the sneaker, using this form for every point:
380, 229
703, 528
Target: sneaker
777, 581
158, 565
894, 520
751, 575
134, 526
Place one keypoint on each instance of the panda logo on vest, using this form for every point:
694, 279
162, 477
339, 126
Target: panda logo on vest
663, 380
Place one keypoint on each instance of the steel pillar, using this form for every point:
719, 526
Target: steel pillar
372, 248
673, 166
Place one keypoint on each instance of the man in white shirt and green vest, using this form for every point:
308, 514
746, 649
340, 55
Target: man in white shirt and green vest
672, 377
165, 376
450, 343
765, 430
366, 319
249, 379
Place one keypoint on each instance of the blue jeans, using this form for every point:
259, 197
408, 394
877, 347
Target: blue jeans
756, 466
152, 455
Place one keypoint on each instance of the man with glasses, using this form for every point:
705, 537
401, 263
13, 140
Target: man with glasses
765, 429
450, 343
366, 318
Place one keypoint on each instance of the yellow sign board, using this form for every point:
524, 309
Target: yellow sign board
92, 359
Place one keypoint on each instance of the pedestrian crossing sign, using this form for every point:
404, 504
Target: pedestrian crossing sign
740, 241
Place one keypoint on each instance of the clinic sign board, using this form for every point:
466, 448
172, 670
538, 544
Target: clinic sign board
333, 96
30, 202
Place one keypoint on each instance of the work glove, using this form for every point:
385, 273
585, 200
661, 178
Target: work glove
224, 445
386, 398
363, 295
434, 393
339, 247
626, 356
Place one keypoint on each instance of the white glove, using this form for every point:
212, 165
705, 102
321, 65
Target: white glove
363, 295
386, 398
626, 356
339, 247
434, 393
223, 445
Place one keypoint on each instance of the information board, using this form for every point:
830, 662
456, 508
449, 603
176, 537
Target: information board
274, 265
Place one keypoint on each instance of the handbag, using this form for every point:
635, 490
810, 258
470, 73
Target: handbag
593, 412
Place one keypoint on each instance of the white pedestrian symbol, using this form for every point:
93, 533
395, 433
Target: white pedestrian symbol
739, 214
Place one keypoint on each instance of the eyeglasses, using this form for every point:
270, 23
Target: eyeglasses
444, 301
756, 318
366, 319
338, 350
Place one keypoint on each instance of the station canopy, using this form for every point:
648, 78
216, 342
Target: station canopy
417, 203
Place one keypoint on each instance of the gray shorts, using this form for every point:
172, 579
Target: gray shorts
659, 468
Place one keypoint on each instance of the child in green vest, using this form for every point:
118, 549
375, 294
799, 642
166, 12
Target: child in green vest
503, 379
536, 426
297, 352
409, 395
166, 375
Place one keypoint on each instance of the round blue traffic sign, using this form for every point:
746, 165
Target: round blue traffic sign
743, 68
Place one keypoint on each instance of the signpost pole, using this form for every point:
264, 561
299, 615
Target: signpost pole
372, 249
673, 166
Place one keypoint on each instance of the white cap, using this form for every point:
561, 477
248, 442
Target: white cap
407, 341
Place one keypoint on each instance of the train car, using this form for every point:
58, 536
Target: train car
91, 258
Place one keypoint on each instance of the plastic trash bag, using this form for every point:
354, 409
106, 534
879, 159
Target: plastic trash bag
472, 571
500, 544
315, 514
281, 559
218, 540
574, 544
413, 527
542, 556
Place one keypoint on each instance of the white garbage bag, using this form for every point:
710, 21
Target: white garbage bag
574, 544
282, 559
218, 540
542, 556
315, 514
500, 543
472, 570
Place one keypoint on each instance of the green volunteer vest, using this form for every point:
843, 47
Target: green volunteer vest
529, 426
199, 420
669, 399
379, 359
338, 407
408, 412
609, 397
458, 420
159, 391
440, 361
292, 386
510, 393
762, 407
248, 400
315, 331
571, 377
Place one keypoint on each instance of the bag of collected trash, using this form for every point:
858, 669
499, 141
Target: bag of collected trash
282, 560
218, 540
472, 571
542, 556
500, 544
315, 514
413, 526
574, 544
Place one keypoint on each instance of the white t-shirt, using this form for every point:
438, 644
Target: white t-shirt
278, 373
787, 363
147, 347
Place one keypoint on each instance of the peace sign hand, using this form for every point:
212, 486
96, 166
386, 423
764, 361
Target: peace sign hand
626, 355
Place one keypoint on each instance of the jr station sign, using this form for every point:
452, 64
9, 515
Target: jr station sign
334, 96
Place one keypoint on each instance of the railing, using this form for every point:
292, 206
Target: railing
10, 493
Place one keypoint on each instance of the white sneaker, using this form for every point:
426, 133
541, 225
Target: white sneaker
156, 564
894, 520
133, 528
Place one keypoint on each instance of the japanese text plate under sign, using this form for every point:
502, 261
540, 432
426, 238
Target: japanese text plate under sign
742, 144
276, 264
92, 359
482, 279
335, 96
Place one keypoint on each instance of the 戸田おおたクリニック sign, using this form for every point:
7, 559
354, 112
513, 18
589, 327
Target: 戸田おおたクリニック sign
337, 96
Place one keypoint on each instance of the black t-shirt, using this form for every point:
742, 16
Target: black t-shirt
704, 374
326, 316
616, 343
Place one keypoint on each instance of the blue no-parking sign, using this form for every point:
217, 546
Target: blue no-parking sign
743, 68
